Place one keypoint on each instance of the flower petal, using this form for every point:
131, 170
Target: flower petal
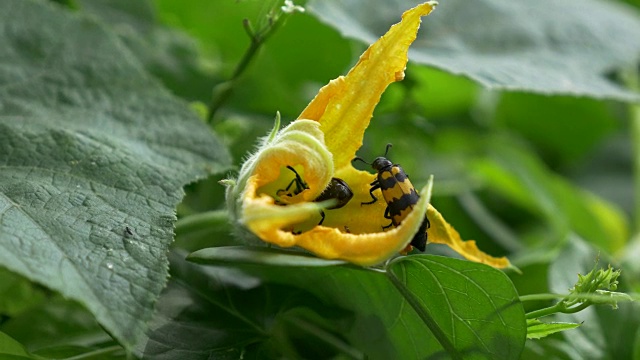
264, 218
361, 249
299, 144
344, 107
358, 218
441, 232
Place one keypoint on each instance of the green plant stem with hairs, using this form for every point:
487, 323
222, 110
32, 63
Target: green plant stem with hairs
561, 307
223, 91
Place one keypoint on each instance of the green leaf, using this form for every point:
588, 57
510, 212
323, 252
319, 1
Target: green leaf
526, 181
548, 47
564, 129
440, 93
474, 306
169, 54
258, 256
93, 157
636, 346
217, 312
17, 294
84, 353
10, 347
537, 329
385, 325
55, 324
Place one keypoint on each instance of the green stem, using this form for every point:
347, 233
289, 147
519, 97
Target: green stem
538, 297
545, 312
223, 91
578, 308
424, 315
560, 307
579, 297
206, 220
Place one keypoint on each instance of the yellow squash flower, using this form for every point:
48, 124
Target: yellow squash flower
319, 146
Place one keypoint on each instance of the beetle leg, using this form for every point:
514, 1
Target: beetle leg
375, 186
300, 184
387, 216
287, 188
386, 213
321, 220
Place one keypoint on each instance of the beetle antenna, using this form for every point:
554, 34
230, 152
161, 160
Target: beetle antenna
387, 150
360, 159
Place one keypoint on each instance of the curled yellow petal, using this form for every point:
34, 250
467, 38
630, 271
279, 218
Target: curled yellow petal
441, 232
263, 217
344, 106
299, 144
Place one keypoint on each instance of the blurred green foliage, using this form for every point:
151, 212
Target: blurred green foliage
547, 180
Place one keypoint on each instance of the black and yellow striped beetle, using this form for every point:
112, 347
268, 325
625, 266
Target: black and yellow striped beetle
399, 194
337, 189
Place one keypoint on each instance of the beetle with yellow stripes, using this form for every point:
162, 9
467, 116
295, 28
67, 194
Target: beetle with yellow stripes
399, 194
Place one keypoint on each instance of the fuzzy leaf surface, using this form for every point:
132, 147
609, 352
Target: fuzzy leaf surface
93, 157
549, 47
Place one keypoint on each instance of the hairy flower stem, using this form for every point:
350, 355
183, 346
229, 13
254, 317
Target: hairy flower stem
223, 91
560, 307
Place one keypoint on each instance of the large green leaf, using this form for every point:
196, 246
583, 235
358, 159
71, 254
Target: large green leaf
223, 313
549, 47
385, 327
9, 348
525, 181
385, 323
59, 326
564, 129
93, 157
474, 306
17, 294
167, 53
